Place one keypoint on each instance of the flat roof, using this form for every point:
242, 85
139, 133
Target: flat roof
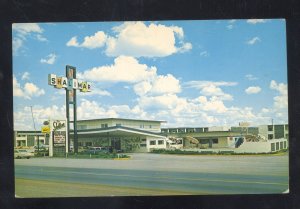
117, 128
99, 119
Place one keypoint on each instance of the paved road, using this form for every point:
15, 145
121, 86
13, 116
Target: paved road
186, 174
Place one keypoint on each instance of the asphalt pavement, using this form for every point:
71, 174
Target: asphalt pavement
186, 174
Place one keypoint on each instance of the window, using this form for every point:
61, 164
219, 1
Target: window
281, 145
160, 142
204, 141
205, 129
150, 126
215, 141
285, 145
277, 145
152, 142
143, 140
142, 145
270, 136
273, 147
270, 128
105, 125
142, 126
118, 124
88, 144
181, 130
286, 127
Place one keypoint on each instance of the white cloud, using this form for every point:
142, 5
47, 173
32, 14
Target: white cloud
139, 40
17, 44
253, 90
142, 88
27, 28
50, 59
28, 91
254, 40
32, 90
255, 21
97, 92
232, 21
229, 27
17, 90
251, 77
25, 76
210, 88
73, 42
22, 30
162, 102
124, 69
280, 101
213, 104
92, 109
185, 48
204, 54
91, 42
41, 38
23, 117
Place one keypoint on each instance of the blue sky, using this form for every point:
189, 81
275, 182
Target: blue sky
189, 73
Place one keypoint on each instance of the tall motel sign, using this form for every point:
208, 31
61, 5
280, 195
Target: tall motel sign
70, 84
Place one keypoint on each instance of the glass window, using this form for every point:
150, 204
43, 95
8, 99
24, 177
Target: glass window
281, 145
285, 145
270, 128
152, 142
277, 145
105, 125
270, 136
215, 141
273, 147
160, 142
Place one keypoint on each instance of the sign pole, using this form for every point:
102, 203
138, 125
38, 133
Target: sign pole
75, 117
68, 114
71, 84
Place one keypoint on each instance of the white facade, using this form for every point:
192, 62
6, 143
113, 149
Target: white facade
156, 143
146, 125
263, 146
219, 128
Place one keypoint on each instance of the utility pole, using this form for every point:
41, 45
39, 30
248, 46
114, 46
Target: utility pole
38, 141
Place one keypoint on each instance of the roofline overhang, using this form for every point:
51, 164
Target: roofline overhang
118, 128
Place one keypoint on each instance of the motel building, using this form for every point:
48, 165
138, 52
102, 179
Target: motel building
127, 135
134, 135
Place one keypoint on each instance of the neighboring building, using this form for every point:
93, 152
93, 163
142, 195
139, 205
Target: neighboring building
245, 130
208, 137
274, 131
29, 138
129, 135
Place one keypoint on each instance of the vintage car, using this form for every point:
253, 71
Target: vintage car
23, 153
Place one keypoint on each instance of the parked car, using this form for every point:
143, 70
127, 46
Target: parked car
22, 153
42, 146
96, 150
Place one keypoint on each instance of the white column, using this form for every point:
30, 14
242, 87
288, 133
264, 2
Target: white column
50, 144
